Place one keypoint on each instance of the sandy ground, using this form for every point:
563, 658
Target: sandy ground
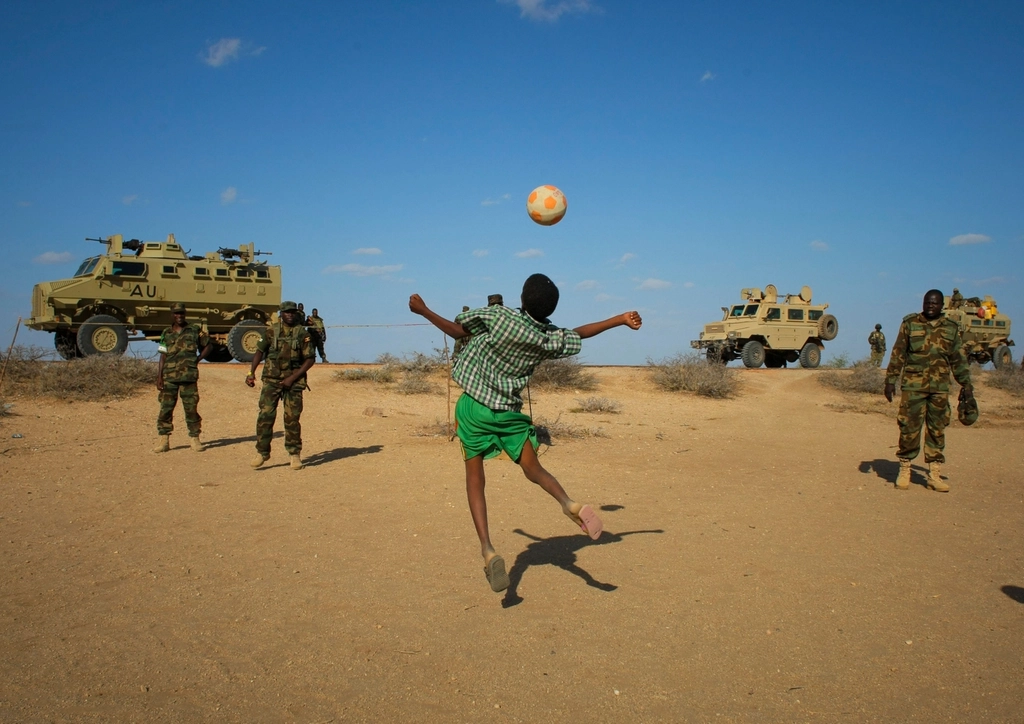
758, 564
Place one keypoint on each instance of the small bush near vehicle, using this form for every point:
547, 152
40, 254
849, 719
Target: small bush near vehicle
692, 373
862, 377
837, 362
29, 373
596, 404
1010, 379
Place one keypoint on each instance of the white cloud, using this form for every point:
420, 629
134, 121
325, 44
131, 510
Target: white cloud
494, 202
587, 284
529, 253
819, 245
626, 257
228, 195
688, 285
654, 284
480, 253
223, 51
963, 239
551, 11
129, 200
361, 270
708, 75
24, 204
53, 257
602, 297
368, 250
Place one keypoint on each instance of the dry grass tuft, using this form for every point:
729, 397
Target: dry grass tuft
692, 373
862, 377
563, 374
437, 428
30, 374
416, 383
550, 430
596, 404
838, 362
1010, 379
411, 372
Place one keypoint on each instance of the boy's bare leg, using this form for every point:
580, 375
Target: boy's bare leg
536, 473
478, 504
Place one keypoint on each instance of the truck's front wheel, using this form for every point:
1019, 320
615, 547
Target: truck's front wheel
102, 334
66, 345
753, 354
1002, 357
243, 337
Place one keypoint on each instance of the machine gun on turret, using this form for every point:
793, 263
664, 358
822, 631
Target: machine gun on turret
131, 245
246, 254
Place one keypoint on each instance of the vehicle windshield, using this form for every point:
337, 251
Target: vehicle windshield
750, 311
87, 266
737, 311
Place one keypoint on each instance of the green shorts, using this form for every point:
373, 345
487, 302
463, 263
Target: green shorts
483, 431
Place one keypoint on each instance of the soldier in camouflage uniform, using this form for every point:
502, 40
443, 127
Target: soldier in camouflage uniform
287, 347
318, 330
177, 375
877, 341
927, 350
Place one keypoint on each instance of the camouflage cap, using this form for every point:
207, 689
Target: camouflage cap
495, 300
967, 410
177, 308
288, 307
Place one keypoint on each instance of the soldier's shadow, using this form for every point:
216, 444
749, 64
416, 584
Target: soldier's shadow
888, 470
560, 552
228, 441
339, 453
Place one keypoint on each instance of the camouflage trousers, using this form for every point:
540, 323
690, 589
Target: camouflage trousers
320, 348
923, 409
876, 358
168, 397
270, 395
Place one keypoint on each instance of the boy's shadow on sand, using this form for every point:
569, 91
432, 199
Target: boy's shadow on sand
561, 552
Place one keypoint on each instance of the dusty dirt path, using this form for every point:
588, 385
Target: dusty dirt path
758, 565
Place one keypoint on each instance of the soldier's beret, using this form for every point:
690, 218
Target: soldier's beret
967, 410
177, 308
288, 307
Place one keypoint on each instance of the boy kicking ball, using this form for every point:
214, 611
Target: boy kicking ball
505, 346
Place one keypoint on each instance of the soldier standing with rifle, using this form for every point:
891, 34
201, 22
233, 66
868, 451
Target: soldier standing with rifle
177, 375
877, 341
927, 350
318, 330
287, 347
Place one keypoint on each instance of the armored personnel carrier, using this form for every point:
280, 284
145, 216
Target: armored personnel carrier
764, 329
984, 330
127, 292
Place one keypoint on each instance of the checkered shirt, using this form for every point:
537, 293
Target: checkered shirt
506, 346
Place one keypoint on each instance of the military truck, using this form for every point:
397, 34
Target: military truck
984, 330
764, 330
130, 287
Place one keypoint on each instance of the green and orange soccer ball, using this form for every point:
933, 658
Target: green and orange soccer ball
546, 205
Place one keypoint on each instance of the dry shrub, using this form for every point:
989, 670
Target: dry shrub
379, 375
1010, 379
561, 374
549, 430
838, 362
416, 383
693, 373
437, 428
596, 404
862, 377
89, 378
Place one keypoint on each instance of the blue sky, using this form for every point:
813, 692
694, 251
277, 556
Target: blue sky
869, 150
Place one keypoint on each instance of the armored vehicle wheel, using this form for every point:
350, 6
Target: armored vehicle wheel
753, 354
219, 353
774, 360
102, 334
66, 344
243, 337
1002, 357
828, 328
810, 356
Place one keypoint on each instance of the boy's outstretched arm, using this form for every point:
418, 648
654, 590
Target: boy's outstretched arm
418, 306
629, 319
